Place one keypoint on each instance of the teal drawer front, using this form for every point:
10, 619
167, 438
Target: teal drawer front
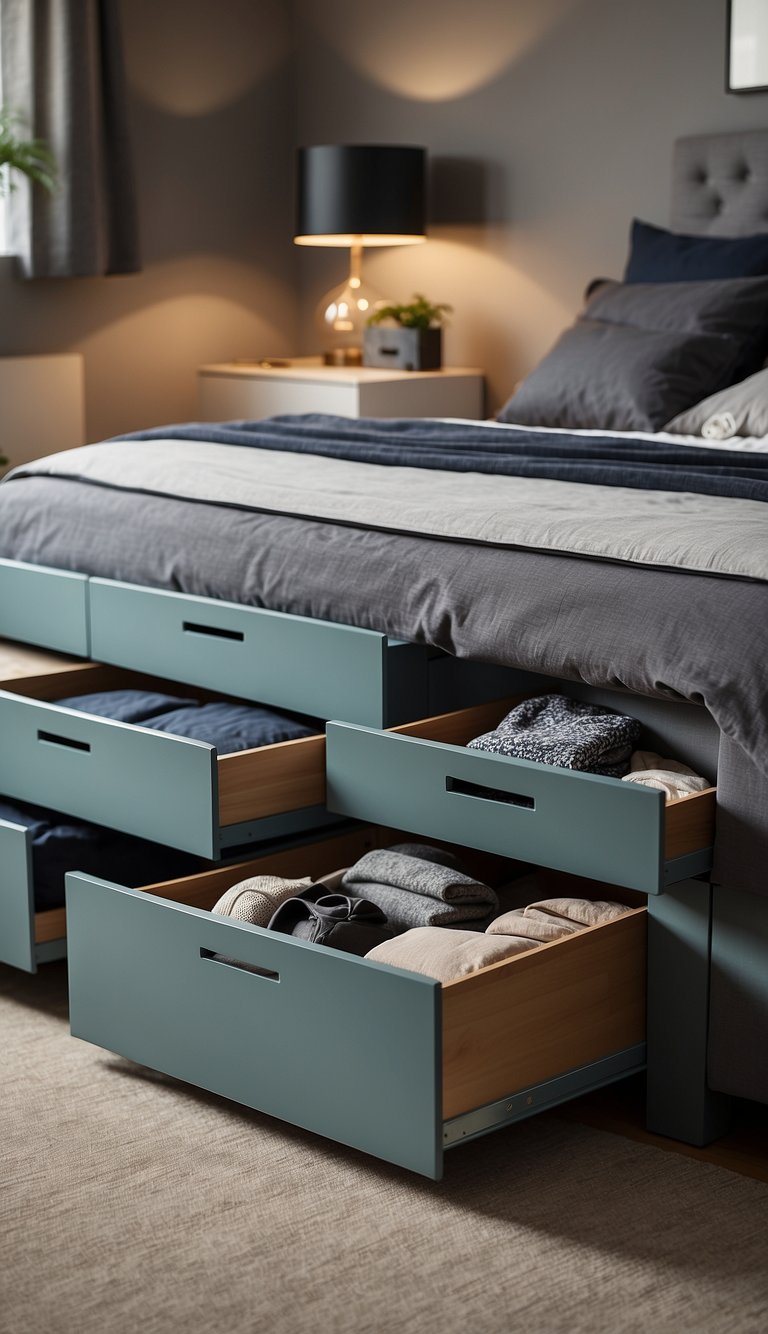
289, 662
580, 823
147, 783
44, 606
320, 1039
17, 921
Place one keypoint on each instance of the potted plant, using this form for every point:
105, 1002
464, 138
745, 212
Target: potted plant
406, 337
31, 157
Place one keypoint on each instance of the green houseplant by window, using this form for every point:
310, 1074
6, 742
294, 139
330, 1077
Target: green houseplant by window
29, 157
407, 336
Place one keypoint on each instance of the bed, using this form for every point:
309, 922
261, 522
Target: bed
634, 563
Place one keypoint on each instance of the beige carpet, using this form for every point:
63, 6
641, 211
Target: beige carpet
131, 1203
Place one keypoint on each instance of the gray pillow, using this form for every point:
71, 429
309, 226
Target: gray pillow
640, 348
741, 409
737, 307
615, 378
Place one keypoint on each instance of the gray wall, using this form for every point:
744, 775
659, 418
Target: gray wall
550, 123
212, 109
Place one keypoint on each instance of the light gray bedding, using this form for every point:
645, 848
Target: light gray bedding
672, 529
662, 633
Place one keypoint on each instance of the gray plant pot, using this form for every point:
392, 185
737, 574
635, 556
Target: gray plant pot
403, 349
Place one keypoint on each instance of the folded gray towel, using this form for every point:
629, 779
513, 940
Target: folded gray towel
414, 892
553, 729
427, 853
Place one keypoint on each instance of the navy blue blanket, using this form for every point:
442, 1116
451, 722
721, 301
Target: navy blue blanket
455, 447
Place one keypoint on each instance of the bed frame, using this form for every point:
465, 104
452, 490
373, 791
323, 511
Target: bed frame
709, 946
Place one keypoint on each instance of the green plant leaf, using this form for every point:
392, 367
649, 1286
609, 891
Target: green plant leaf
416, 314
30, 157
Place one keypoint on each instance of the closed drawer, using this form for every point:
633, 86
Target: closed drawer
44, 606
288, 662
422, 778
398, 1065
160, 787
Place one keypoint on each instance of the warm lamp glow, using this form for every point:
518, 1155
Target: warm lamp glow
347, 239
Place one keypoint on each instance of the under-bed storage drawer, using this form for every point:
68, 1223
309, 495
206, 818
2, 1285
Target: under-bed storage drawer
44, 606
377, 1058
422, 778
165, 788
288, 662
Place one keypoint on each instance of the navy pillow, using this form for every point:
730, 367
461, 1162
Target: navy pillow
659, 256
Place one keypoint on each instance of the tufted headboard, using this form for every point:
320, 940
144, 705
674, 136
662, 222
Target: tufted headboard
720, 184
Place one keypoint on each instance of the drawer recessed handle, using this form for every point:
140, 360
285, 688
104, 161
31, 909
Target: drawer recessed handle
68, 742
490, 793
213, 631
214, 957
389, 351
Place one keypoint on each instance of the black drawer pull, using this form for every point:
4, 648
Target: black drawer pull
215, 957
69, 743
389, 351
490, 793
213, 631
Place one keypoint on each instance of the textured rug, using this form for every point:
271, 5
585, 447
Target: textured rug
129, 1202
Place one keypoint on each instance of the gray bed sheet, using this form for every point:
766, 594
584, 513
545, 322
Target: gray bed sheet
669, 634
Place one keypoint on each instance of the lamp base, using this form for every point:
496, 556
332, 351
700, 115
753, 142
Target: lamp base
343, 356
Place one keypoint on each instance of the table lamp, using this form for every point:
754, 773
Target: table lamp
357, 195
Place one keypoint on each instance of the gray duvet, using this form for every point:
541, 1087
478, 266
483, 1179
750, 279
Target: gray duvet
675, 635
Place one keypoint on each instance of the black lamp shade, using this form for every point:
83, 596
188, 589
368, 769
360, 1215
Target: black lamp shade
367, 193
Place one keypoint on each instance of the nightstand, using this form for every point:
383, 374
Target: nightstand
305, 384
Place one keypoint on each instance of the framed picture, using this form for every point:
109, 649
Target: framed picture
746, 69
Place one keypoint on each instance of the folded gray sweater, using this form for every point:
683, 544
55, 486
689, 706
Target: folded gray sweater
415, 892
553, 729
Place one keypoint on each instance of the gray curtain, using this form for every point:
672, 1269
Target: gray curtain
63, 71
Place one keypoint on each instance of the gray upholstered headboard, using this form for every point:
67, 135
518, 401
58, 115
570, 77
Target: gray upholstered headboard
720, 184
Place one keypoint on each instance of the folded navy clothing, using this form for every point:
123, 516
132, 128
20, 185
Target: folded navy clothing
230, 727
553, 729
127, 706
61, 844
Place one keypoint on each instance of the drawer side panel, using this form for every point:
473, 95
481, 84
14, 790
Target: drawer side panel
328, 1042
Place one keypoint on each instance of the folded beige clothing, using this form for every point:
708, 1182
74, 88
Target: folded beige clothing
539, 926
255, 900
584, 912
446, 953
669, 776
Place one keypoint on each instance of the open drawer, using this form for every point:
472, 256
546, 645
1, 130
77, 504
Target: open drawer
168, 789
377, 1058
422, 778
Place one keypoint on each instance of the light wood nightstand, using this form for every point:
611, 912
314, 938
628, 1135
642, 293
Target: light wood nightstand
304, 384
